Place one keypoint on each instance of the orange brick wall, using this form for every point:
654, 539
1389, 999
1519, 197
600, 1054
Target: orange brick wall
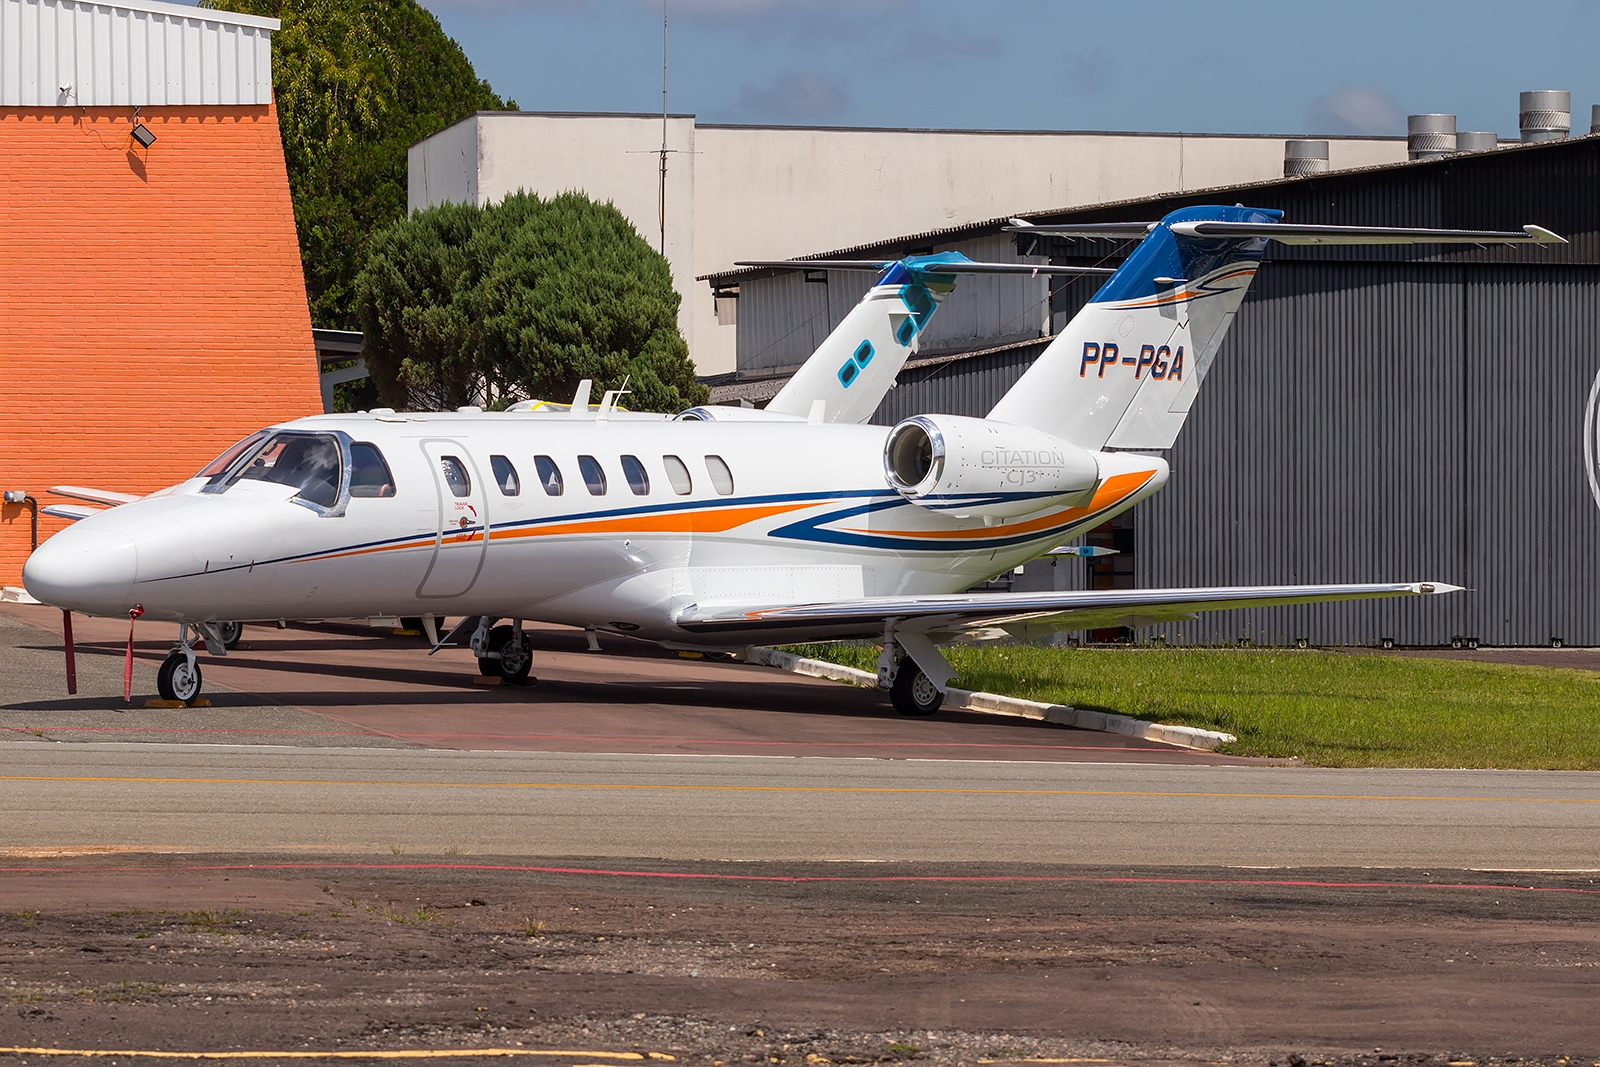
154, 309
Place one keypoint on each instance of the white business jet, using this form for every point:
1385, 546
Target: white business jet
720, 527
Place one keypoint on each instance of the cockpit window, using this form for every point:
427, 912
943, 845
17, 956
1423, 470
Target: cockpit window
309, 462
369, 474
221, 464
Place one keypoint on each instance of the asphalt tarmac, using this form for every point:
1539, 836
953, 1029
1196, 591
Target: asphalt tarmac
357, 848
256, 800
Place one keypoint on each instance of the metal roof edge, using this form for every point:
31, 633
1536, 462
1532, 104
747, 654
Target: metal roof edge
199, 14
999, 132
980, 228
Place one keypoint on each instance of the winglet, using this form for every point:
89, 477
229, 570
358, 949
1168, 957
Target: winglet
1544, 236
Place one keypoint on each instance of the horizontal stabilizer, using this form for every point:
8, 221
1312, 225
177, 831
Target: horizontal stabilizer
1289, 233
1089, 609
94, 496
1116, 231
70, 512
967, 267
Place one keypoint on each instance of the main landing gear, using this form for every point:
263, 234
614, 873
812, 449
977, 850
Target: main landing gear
912, 690
503, 652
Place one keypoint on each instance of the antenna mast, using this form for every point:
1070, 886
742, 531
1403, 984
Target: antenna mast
662, 205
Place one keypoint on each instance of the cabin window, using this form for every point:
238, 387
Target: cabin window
594, 476
638, 479
220, 465
678, 475
549, 475
369, 474
311, 463
721, 476
505, 475
456, 476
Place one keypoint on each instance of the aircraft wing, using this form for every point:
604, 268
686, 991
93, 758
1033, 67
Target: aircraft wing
94, 496
1084, 610
70, 512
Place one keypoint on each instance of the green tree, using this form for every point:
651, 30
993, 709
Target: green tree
521, 299
357, 82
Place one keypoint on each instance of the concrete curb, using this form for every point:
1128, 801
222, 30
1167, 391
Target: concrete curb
994, 704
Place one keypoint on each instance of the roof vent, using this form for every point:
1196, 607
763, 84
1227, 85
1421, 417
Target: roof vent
1430, 136
1545, 115
1476, 141
1304, 157
1594, 119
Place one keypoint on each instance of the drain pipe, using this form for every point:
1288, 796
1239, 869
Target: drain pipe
20, 496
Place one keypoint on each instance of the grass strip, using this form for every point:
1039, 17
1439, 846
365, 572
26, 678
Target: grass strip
1332, 709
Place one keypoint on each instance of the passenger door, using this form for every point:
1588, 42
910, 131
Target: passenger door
462, 539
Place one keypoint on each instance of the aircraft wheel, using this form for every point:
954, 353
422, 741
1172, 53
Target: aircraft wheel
231, 632
913, 693
177, 680
514, 663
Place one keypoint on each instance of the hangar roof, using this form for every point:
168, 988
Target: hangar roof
131, 53
1466, 190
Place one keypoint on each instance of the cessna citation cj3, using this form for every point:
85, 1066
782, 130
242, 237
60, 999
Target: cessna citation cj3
720, 528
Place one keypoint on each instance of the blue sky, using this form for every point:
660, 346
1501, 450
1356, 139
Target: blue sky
1227, 67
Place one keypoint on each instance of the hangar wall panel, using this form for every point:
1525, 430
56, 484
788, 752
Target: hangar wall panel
64, 53
155, 306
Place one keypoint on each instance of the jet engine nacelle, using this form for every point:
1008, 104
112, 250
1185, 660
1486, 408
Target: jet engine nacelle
994, 470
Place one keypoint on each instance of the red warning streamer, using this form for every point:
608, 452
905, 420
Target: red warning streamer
72, 660
127, 664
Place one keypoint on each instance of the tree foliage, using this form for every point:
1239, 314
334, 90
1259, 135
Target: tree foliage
357, 82
521, 299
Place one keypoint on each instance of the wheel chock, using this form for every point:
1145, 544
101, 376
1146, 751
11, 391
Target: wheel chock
405, 633
157, 702
486, 679
198, 702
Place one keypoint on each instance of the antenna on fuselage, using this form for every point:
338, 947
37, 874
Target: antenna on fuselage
608, 402
580, 400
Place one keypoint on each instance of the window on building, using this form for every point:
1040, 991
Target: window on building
638, 479
594, 476
505, 475
369, 474
721, 476
549, 475
456, 476
678, 475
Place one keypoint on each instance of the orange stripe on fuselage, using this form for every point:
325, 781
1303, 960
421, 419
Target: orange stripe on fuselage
1113, 489
718, 520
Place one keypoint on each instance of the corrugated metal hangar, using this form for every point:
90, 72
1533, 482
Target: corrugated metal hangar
1375, 414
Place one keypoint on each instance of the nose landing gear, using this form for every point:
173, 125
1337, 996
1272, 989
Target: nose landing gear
179, 676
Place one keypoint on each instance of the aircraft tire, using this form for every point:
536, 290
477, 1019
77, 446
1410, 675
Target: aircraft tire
913, 693
231, 632
515, 670
176, 680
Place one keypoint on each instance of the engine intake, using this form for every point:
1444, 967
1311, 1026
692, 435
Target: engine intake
978, 467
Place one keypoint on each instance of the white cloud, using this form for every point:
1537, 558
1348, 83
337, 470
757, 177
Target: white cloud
794, 96
1356, 109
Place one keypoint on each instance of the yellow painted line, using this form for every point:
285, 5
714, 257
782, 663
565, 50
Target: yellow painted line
348, 1054
860, 789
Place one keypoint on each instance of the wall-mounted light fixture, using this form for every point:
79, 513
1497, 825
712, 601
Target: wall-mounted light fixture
141, 132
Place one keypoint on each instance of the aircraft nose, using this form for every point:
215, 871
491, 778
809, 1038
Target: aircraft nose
85, 570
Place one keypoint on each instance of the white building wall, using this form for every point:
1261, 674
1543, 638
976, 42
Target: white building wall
134, 53
759, 192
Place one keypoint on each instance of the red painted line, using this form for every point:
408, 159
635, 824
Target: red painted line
582, 737
986, 879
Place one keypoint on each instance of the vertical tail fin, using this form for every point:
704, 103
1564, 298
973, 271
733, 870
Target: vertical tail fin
856, 365
1126, 369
